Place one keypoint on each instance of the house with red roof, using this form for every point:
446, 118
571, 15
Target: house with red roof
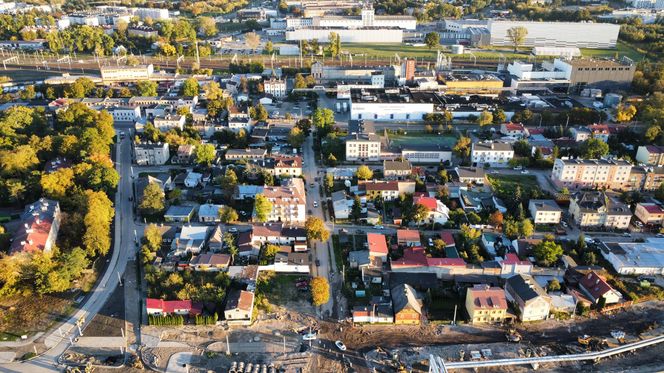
599, 131
649, 213
438, 212
414, 259
514, 129
448, 238
596, 287
512, 265
377, 245
39, 228
486, 304
408, 237
239, 307
160, 307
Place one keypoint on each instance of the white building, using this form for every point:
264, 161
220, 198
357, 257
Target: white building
632, 258
156, 14
557, 34
438, 212
426, 154
341, 205
151, 154
545, 211
125, 113
168, 122
363, 147
494, 153
209, 213
391, 105
355, 35
288, 202
597, 209
126, 73
531, 299
275, 87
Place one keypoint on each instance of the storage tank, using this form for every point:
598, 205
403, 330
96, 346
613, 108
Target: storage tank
457, 49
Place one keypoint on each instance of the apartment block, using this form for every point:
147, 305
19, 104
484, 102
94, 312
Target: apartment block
591, 173
651, 155
494, 153
288, 202
151, 154
597, 209
544, 211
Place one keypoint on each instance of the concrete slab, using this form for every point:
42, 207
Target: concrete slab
7, 357
179, 362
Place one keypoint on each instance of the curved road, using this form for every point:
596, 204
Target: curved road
58, 340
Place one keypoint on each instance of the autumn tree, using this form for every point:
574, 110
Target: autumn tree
625, 113
228, 215
205, 154
252, 40
316, 229
97, 220
485, 118
56, 184
190, 88
320, 290
517, 35
526, 228
296, 137
496, 219
207, 26
146, 88
364, 173
153, 201
262, 207
462, 147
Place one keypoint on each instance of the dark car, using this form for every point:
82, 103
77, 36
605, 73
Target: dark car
317, 263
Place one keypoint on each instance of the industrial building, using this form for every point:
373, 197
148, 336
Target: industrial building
364, 34
126, 73
392, 104
557, 34
631, 258
367, 75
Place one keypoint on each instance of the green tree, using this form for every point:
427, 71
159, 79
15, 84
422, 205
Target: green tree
320, 290
228, 215
462, 147
316, 229
296, 137
146, 88
517, 35
262, 207
258, 113
432, 40
499, 116
553, 285
152, 237
80, 88
511, 228
300, 82
334, 46
526, 228
190, 88
28, 93
364, 173
594, 149
270, 252
205, 154
547, 252
356, 209
207, 26
213, 91
56, 184
229, 180
419, 213
153, 201
323, 120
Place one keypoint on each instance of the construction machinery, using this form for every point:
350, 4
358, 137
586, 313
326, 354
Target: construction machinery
512, 335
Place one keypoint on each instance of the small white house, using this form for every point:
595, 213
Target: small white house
209, 213
193, 179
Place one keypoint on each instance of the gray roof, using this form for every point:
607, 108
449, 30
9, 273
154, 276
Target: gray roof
470, 172
361, 257
492, 146
545, 205
175, 210
404, 296
525, 287
396, 165
594, 200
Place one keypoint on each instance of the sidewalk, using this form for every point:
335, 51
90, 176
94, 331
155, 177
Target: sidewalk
21, 343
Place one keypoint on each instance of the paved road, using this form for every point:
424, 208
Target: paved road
58, 340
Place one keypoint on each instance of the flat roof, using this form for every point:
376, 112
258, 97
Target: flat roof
393, 96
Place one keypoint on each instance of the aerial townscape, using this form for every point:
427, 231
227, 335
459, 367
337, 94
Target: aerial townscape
327, 186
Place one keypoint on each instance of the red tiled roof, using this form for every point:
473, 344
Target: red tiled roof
653, 209
448, 238
595, 284
599, 128
32, 238
512, 258
377, 243
486, 297
380, 186
246, 300
415, 257
428, 202
514, 126
408, 235
169, 306
536, 131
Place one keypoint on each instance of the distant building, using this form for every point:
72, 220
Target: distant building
496, 154
40, 224
556, 34
151, 154
533, 302
597, 209
142, 31
485, 304
651, 155
545, 211
649, 213
126, 73
274, 87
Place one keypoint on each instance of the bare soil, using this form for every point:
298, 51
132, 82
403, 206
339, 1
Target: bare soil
109, 321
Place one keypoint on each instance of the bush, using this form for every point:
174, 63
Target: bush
28, 356
166, 320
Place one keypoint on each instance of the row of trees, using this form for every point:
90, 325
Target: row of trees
166, 320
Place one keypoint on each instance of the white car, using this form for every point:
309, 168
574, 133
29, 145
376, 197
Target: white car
379, 227
309, 337
340, 345
315, 204
524, 171
232, 229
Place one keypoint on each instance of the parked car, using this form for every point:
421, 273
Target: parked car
309, 337
317, 263
340, 345
315, 203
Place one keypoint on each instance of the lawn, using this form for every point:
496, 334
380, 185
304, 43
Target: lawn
622, 49
420, 138
505, 185
280, 289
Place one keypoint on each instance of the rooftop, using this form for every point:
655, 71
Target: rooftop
486, 297
525, 287
377, 243
393, 96
545, 205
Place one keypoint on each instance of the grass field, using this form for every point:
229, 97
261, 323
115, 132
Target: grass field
505, 185
387, 50
622, 49
420, 139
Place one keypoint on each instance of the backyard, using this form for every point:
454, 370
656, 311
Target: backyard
504, 186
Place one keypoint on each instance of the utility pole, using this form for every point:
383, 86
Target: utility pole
228, 346
455, 312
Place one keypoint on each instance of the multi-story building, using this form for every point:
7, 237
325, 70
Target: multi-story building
364, 34
142, 31
545, 211
155, 14
363, 147
40, 223
646, 178
591, 173
282, 166
126, 73
597, 209
651, 155
394, 170
168, 122
533, 302
556, 34
601, 73
249, 154
124, 113
497, 154
392, 105
151, 154
486, 304
288, 202
649, 213
388, 190
275, 87
407, 305
426, 153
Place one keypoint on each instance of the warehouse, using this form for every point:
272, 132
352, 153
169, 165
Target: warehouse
557, 34
391, 104
367, 34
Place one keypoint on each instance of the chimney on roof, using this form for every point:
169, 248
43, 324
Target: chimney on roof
30, 242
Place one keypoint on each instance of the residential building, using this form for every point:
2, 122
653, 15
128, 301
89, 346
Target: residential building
210, 262
275, 87
595, 287
486, 304
282, 166
599, 131
341, 205
248, 154
151, 154
651, 155
160, 307
179, 214
580, 134
438, 212
512, 265
288, 201
556, 34
470, 175
193, 179
124, 113
649, 213
239, 307
387, 190
373, 314
597, 209
635, 258
407, 305
126, 73
514, 130
496, 154
185, 154
545, 211
191, 239
247, 191
142, 31
363, 147
408, 237
396, 170
530, 298
209, 213
591, 173
168, 122
377, 246
40, 224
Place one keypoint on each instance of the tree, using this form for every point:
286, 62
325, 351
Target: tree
526, 228
258, 113
323, 120
205, 154
485, 118
356, 209
270, 252
153, 201
553, 285
652, 133
80, 88
262, 207
511, 229
499, 116
334, 47
320, 290
152, 237
190, 88
462, 147
589, 258
229, 242
207, 26
146, 88
443, 176
496, 219
594, 149
364, 173
228, 215
97, 222
300, 82
432, 40
296, 137
269, 47
252, 40
329, 182
659, 193
28, 93
213, 91
56, 184
419, 213
316, 229
517, 35
547, 252
167, 49
625, 113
